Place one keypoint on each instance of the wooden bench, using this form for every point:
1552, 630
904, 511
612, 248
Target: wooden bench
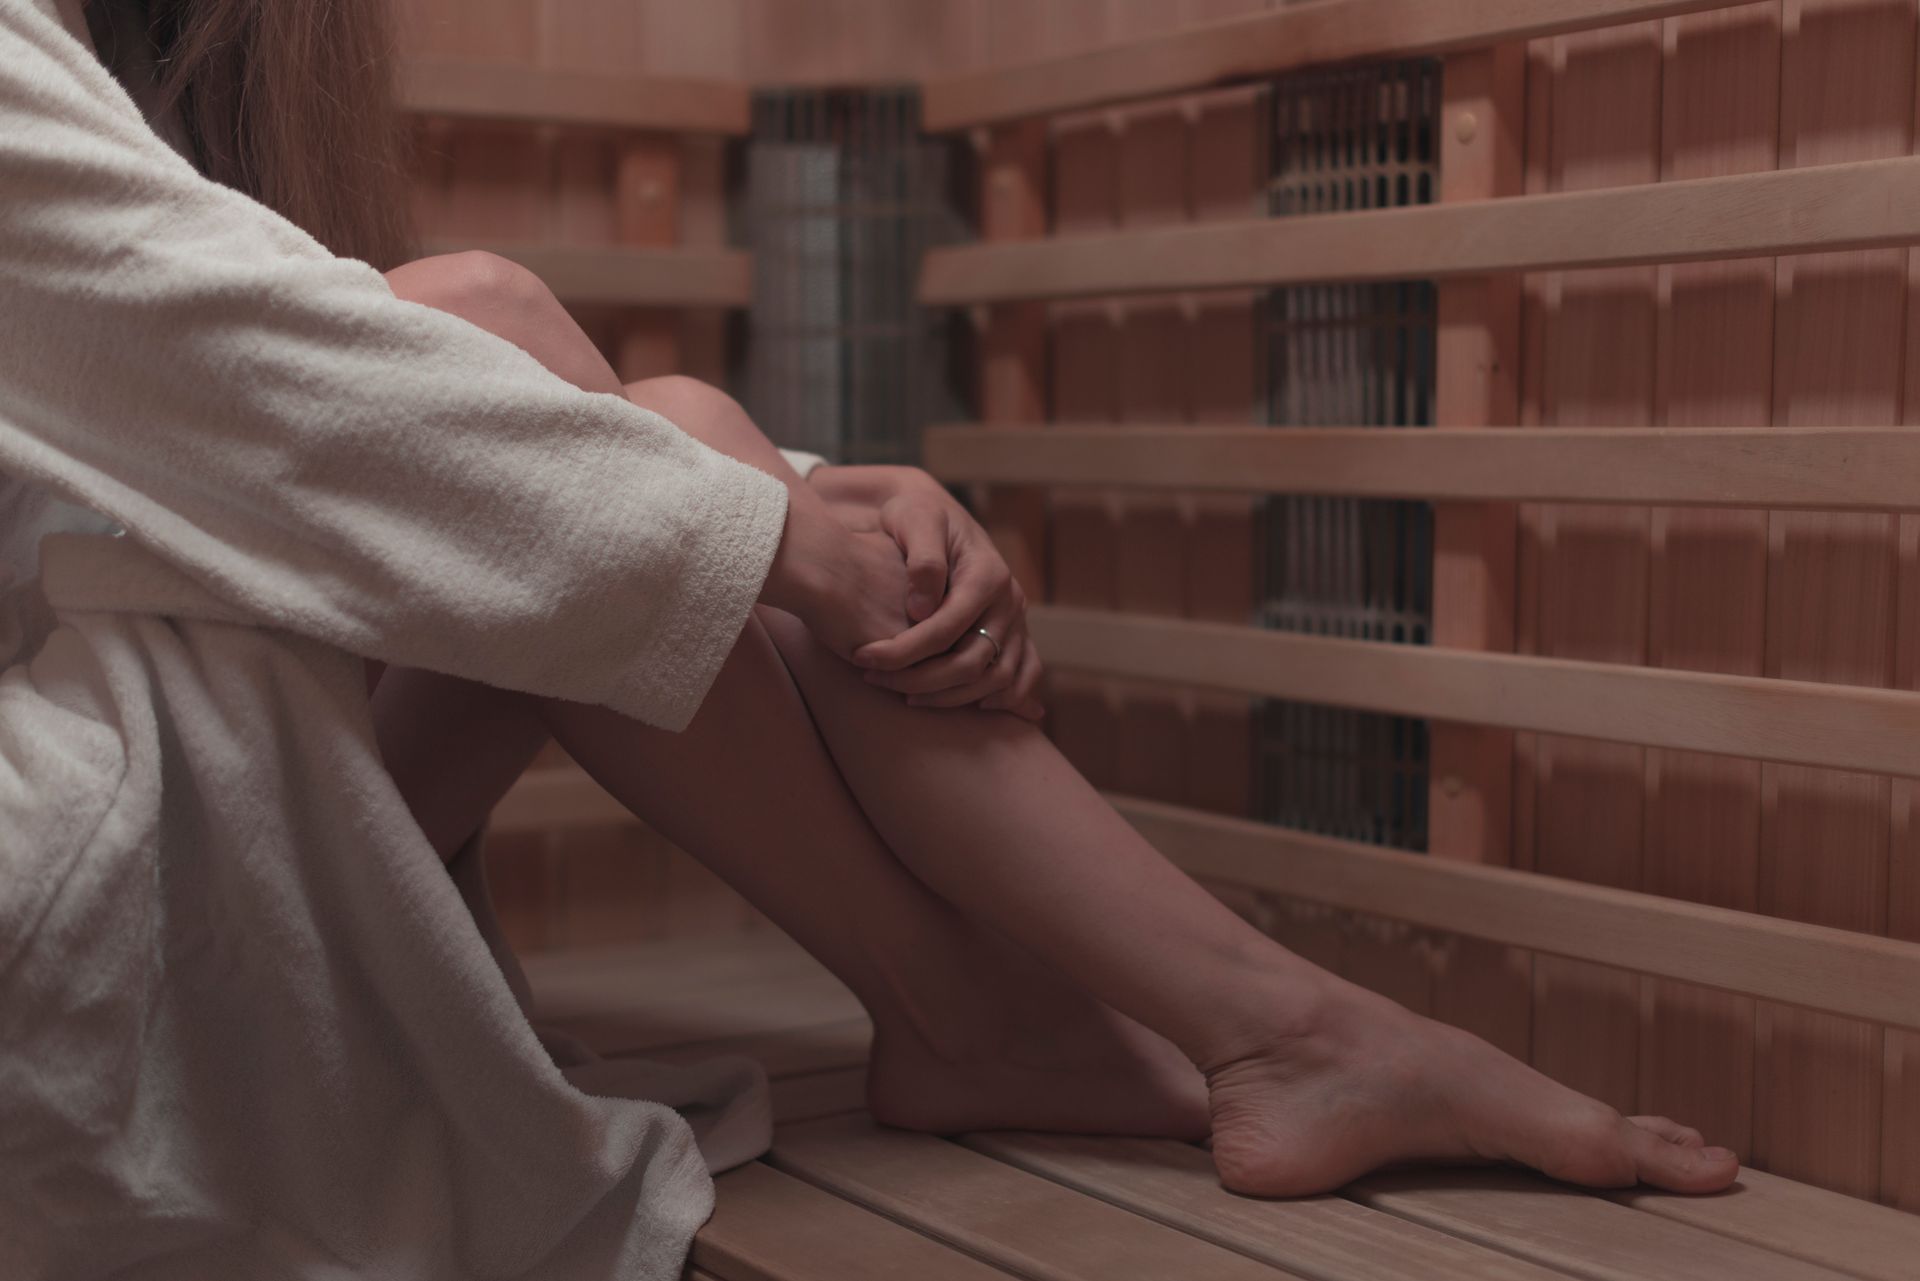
839, 1199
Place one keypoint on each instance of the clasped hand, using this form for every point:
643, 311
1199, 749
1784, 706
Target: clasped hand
895, 576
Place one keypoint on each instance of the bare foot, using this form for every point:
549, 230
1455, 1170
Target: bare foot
1079, 1068
1364, 1083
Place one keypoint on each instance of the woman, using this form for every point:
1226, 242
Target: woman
247, 1029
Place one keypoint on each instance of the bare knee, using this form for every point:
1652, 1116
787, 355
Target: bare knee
710, 416
471, 285
510, 302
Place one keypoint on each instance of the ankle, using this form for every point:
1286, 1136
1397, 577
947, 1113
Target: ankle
1293, 1011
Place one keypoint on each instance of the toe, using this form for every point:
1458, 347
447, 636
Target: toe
1672, 1131
1678, 1166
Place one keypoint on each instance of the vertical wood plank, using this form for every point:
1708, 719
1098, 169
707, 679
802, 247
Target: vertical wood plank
1226, 180
1900, 1121
1483, 988
1084, 352
1593, 562
647, 212
1708, 591
1013, 343
1152, 375
1846, 94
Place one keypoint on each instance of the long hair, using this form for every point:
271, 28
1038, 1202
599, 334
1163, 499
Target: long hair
292, 103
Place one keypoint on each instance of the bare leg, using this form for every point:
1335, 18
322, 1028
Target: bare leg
969, 1031
1312, 1081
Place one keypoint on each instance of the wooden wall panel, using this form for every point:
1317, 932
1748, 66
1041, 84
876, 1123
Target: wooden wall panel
1846, 94
1592, 568
1900, 1119
1478, 986
1720, 108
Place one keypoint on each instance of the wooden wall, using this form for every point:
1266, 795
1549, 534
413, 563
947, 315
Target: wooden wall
1814, 340
1817, 340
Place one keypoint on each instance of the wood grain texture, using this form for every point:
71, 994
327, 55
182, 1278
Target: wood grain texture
1581, 1236
1326, 1237
1285, 40
1838, 206
477, 91
1795, 722
1809, 966
1599, 341
1814, 468
1013, 344
769, 1226
1846, 94
1826, 1228
1009, 1218
1482, 132
1720, 111
624, 276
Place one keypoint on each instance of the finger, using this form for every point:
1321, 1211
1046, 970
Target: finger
999, 674
998, 677
975, 587
1024, 692
921, 531
1012, 698
970, 659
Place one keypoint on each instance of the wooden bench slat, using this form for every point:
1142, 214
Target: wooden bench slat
1792, 722
1244, 48
809, 1096
1759, 215
1329, 1238
1844, 1233
707, 991
768, 1226
1812, 966
786, 1051
1586, 1236
627, 277
1825, 469
669, 104
1016, 1220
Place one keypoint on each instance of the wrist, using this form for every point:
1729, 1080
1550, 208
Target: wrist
810, 541
873, 484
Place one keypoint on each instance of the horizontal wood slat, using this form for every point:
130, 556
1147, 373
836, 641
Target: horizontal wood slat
1579, 1236
630, 277
769, 1226
665, 104
1266, 45
1827, 469
1846, 206
1812, 966
1789, 722
1325, 1237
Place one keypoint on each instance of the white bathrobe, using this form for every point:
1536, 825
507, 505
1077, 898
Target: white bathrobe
246, 1027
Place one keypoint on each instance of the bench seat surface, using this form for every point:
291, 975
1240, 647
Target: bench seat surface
841, 1199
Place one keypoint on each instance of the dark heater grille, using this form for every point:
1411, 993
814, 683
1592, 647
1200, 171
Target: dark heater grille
1355, 356
844, 195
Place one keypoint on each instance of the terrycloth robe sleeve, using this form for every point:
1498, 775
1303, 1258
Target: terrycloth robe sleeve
274, 424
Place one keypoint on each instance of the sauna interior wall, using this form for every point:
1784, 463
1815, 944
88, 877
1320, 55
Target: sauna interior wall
1823, 339
1815, 340
1812, 340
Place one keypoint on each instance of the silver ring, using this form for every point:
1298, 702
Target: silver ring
991, 641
